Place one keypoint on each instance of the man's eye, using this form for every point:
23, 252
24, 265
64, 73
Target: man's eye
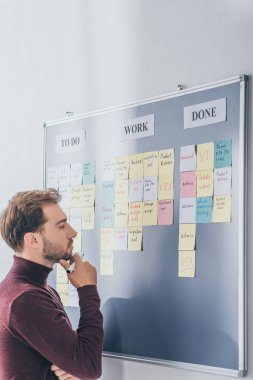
61, 226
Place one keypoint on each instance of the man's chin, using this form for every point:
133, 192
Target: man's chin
67, 256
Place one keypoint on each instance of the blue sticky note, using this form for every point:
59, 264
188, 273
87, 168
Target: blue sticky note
107, 216
204, 209
89, 172
222, 153
108, 192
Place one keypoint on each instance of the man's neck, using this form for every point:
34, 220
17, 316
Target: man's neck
34, 258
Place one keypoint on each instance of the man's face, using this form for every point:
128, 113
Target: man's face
57, 235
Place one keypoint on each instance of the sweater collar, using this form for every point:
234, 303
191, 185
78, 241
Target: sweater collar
34, 272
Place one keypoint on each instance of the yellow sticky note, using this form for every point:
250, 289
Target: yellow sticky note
88, 218
136, 166
61, 276
63, 291
187, 237
77, 246
222, 205
150, 164
121, 215
106, 239
204, 183
134, 238
149, 213
77, 196
186, 263
121, 191
106, 263
205, 156
166, 161
166, 187
89, 194
135, 214
122, 167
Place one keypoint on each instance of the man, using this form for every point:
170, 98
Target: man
36, 338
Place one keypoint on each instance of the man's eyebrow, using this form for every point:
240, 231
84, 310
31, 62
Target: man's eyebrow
61, 221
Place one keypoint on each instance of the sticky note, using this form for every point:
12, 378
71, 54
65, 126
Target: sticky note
53, 177
150, 164
136, 166
223, 181
222, 153
135, 211
61, 276
149, 217
88, 218
204, 210
89, 195
106, 239
187, 237
165, 212
73, 299
186, 263
165, 187
76, 174
75, 218
108, 170
77, 196
188, 158
106, 263
135, 189
77, 242
64, 175
222, 208
121, 191
150, 188
65, 197
187, 184
107, 216
89, 172
166, 162
187, 210
120, 239
205, 156
134, 238
122, 167
108, 192
63, 290
204, 183
121, 215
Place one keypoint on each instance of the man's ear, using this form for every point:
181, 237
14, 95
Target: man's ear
31, 240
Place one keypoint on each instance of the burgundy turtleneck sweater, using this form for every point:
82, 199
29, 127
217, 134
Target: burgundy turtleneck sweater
36, 332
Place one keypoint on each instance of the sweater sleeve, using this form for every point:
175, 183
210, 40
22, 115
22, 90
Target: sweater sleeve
39, 323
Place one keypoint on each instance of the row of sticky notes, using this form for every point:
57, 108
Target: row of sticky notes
121, 239
215, 209
186, 250
72, 174
77, 196
81, 218
206, 156
148, 164
148, 213
204, 183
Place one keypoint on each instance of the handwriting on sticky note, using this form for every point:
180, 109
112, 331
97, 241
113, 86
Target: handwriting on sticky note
135, 214
165, 187
165, 212
76, 173
136, 166
121, 191
108, 170
187, 184
89, 172
150, 164
149, 213
62, 290
204, 183
204, 210
150, 188
106, 239
107, 216
120, 239
61, 277
223, 153
187, 210
77, 196
136, 190
205, 156
108, 192
64, 175
134, 238
106, 263
88, 218
223, 181
222, 208
75, 218
121, 215
187, 237
186, 263
188, 158
122, 167
166, 162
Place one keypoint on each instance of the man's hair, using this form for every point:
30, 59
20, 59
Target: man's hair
24, 214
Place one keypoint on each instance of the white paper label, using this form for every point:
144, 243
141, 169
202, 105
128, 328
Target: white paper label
205, 113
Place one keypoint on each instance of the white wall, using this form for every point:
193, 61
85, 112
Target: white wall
81, 55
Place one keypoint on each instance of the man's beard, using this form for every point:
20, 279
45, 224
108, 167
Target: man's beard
54, 252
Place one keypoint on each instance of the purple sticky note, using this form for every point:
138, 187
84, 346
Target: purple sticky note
188, 185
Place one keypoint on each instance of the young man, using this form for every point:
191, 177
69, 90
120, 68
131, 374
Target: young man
36, 338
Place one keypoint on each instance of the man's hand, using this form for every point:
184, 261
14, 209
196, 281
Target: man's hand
83, 274
61, 374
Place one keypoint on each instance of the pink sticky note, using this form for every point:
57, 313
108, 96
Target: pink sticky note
188, 185
165, 212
